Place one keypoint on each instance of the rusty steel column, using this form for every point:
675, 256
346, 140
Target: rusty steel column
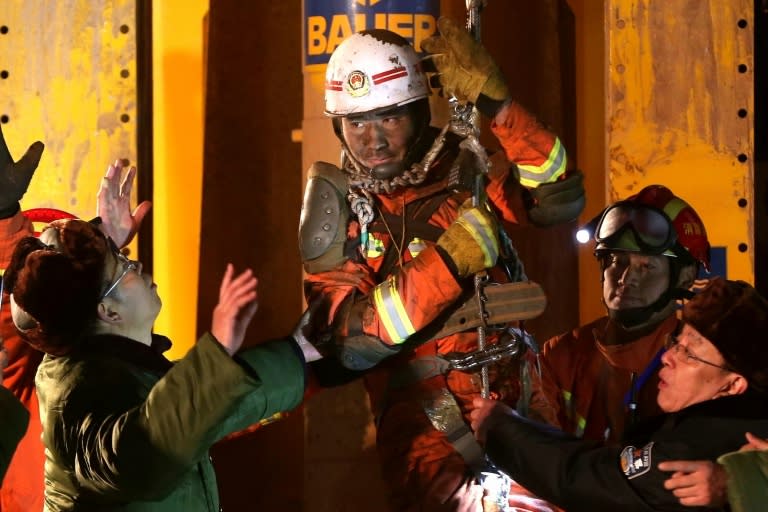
680, 110
69, 79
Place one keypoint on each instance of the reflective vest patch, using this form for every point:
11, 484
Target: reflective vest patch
374, 247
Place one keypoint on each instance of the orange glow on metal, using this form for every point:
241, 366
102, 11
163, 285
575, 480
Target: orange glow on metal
674, 94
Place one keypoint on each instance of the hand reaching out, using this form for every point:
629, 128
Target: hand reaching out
238, 302
697, 482
486, 414
303, 332
113, 205
754, 443
15, 176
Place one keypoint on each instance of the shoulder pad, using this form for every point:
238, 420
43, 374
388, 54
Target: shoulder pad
324, 217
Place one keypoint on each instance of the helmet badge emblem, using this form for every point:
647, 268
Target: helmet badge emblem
357, 84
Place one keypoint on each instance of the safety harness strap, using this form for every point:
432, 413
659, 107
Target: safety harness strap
421, 368
417, 215
445, 415
505, 303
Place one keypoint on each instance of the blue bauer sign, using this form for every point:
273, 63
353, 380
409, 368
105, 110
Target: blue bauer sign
328, 22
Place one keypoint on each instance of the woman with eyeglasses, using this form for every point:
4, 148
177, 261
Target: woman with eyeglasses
123, 427
601, 377
713, 387
23, 485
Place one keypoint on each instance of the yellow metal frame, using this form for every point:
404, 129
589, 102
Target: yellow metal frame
679, 112
71, 84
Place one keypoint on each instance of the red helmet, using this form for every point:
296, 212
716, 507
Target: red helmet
40, 217
653, 221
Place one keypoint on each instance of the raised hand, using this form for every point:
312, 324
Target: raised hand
15, 176
238, 302
464, 67
113, 205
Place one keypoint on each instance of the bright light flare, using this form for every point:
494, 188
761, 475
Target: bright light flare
583, 236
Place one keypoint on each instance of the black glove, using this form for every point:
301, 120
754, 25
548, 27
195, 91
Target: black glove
558, 202
15, 176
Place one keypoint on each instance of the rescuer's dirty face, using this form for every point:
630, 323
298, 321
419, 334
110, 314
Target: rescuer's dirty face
379, 139
634, 280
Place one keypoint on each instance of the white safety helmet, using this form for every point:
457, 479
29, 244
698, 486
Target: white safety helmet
371, 70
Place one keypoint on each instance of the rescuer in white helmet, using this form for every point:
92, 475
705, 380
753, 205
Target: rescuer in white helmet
391, 241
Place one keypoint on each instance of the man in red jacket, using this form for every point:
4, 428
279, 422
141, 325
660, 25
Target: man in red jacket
391, 247
22, 487
602, 376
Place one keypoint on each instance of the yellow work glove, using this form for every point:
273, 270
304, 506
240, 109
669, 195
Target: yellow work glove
465, 68
471, 241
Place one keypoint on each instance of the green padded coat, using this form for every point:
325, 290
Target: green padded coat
127, 430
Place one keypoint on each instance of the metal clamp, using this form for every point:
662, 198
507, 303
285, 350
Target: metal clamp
469, 362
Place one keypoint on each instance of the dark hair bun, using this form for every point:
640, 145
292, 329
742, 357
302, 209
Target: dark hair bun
58, 285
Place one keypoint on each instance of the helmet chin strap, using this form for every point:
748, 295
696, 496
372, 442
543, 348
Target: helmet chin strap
638, 319
632, 319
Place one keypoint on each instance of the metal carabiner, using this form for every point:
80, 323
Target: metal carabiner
469, 362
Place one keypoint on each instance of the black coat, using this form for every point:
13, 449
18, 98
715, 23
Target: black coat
584, 475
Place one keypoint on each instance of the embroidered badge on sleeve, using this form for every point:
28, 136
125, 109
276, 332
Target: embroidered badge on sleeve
636, 461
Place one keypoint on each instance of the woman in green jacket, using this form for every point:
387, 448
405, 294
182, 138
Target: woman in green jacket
124, 428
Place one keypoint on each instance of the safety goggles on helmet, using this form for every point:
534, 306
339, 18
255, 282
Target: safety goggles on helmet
629, 226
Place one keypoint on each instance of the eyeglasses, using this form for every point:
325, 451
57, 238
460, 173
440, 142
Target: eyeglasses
128, 265
651, 227
673, 345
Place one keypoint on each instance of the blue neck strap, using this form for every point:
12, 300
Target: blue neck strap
637, 385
